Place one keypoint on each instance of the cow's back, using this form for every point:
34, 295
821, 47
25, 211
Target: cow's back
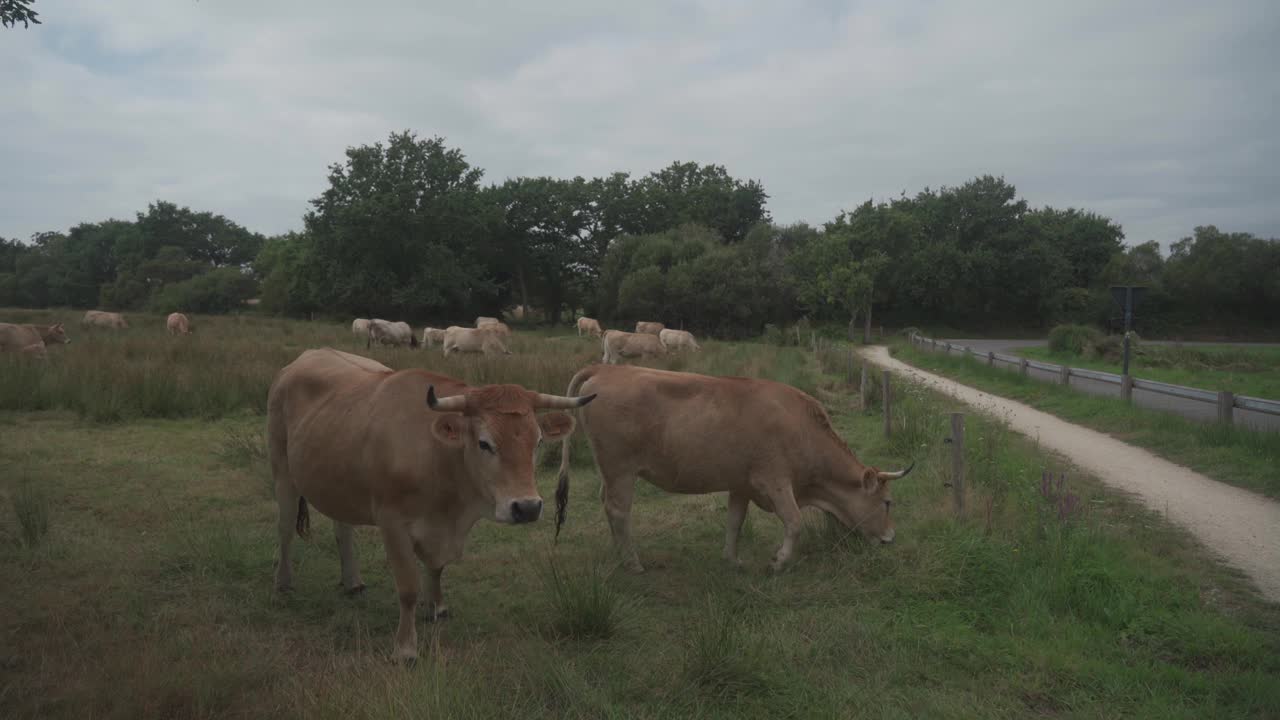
16, 338
692, 433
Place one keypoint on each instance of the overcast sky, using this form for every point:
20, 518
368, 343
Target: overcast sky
1162, 115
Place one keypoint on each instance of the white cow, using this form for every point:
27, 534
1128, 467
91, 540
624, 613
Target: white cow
474, 340
678, 340
385, 332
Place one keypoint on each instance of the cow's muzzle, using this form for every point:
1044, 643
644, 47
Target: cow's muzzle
526, 511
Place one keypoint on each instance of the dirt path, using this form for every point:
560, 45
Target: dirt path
1240, 526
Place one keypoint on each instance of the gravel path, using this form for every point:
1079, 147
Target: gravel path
1241, 527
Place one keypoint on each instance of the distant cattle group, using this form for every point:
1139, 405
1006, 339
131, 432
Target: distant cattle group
34, 340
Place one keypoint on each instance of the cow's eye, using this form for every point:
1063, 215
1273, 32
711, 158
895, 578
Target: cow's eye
484, 445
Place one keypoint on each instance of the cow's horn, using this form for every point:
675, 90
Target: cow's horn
453, 403
560, 402
896, 475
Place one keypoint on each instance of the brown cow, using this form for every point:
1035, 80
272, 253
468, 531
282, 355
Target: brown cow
590, 326
31, 339
420, 455
651, 328
100, 318
619, 345
761, 441
178, 324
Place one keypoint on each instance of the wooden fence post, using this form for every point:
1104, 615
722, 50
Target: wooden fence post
887, 401
863, 387
1226, 404
991, 359
933, 344
1126, 388
957, 461
1066, 375
1022, 367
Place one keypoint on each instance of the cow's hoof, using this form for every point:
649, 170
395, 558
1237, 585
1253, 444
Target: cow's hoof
354, 590
406, 660
438, 614
284, 589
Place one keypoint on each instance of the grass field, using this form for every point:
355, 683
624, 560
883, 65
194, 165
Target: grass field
139, 545
1231, 454
1243, 371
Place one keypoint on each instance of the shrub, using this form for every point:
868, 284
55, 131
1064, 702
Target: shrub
1074, 339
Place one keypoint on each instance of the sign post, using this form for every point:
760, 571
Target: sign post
1127, 297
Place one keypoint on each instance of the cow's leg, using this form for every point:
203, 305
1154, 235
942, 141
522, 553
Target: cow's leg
408, 577
344, 534
784, 504
287, 521
437, 610
617, 494
737, 513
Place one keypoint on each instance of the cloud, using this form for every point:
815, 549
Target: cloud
1157, 114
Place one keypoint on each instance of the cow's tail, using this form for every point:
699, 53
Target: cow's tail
413, 340
303, 525
562, 483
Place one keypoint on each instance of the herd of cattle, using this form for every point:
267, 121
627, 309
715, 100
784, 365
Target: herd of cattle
423, 456
34, 340
490, 335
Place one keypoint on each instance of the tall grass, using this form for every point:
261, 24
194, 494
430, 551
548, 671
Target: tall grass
227, 365
584, 602
31, 509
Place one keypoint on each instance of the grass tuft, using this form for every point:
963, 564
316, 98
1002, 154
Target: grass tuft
31, 508
585, 605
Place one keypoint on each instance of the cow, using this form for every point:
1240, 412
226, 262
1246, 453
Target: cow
420, 455
431, 336
360, 327
619, 345
499, 327
31, 339
483, 320
651, 328
678, 340
178, 324
385, 332
590, 326
485, 340
99, 318
759, 440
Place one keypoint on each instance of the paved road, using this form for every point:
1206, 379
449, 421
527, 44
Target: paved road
1240, 526
1004, 346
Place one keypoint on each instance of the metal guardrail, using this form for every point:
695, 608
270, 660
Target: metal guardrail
1179, 391
1244, 402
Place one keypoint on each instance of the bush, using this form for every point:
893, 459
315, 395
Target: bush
1074, 339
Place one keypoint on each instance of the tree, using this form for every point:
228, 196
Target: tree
831, 276
13, 12
396, 232
686, 192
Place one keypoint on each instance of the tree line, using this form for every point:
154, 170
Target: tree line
407, 229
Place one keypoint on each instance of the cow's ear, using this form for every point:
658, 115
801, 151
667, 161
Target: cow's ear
555, 425
450, 429
870, 480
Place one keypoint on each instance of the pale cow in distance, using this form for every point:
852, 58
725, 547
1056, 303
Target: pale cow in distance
360, 327
651, 328
422, 456
30, 339
674, 340
178, 324
590, 326
497, 327
620, 345
430, 336
760, 441
474, 340
484, 320
385, 332
102, 319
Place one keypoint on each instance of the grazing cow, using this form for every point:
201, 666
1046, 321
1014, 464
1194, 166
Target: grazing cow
485, 340
360, 328
385, 332
678, 340
497, 327
619, 345
99, 318
178, 324
651, 328
431, 336
760, 441
31, 339
590, 326
420, 455
482, 321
